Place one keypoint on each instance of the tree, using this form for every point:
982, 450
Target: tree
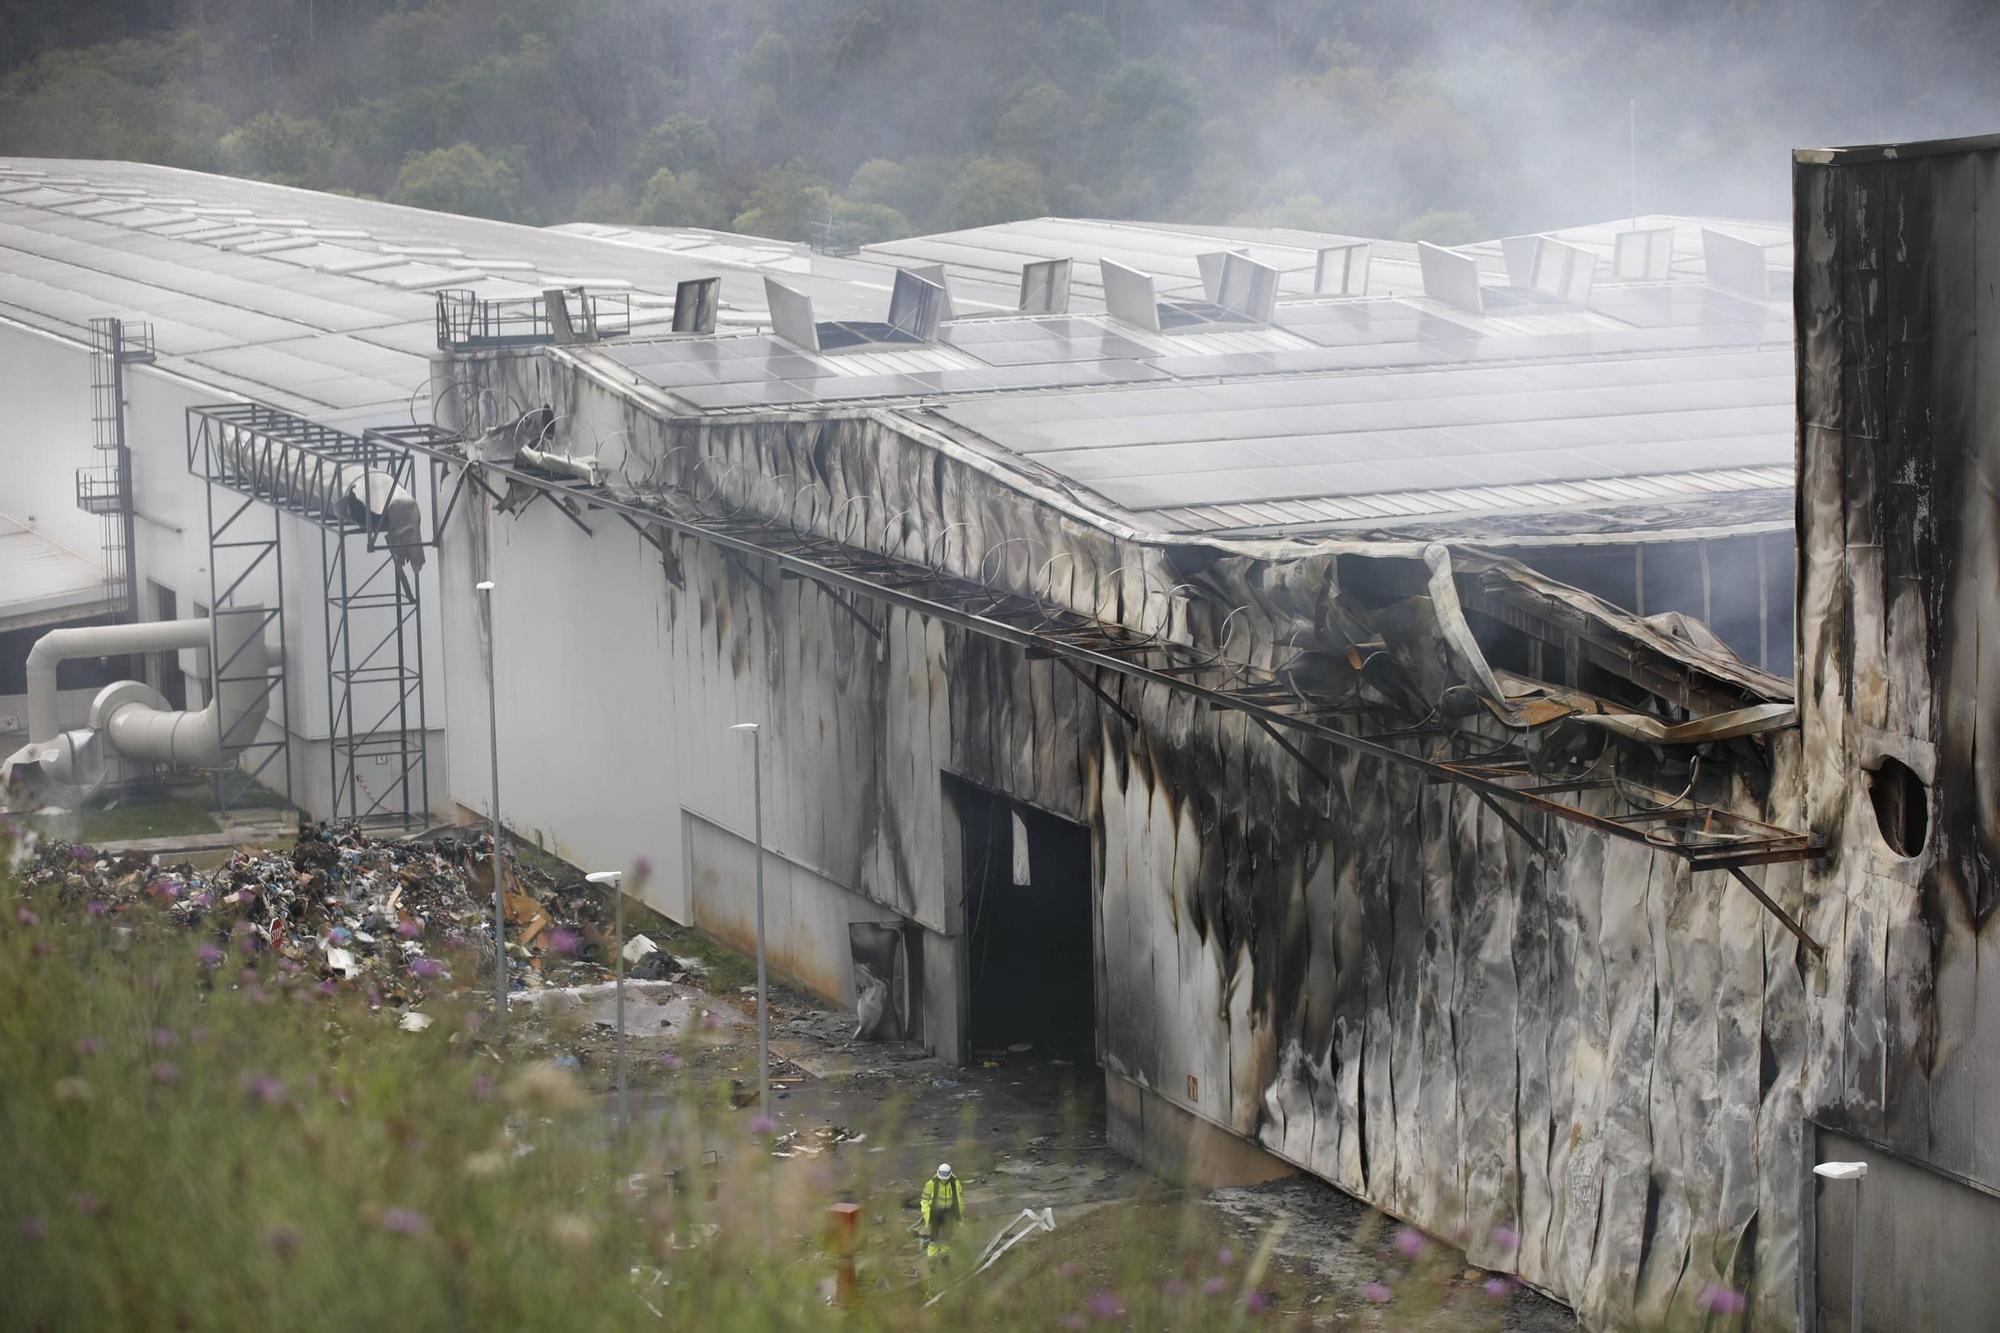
864, 224
1440, 228
1147, 117
993, 189
681, 142
686, 200
788, 203
281, 148
460, 179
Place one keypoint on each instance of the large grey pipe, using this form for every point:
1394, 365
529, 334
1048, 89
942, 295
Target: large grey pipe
133, 717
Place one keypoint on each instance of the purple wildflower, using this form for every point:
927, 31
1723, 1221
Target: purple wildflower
328, 988
1106, 1305
264, 1088
1497, 1287
1225, 1256
1173, 1288
1722, 1300
1410, 1243
763, 1124
1257, 1302
162, 1038
287, 966
1068, 1271
671, 1060
409, 929
165, 1071
1378, 1292
80, 852
97, 907
202, 899
42, 949
249, 943
34, 1228
88, 1046
405, 1221
1506, 1237
427, 969
482, 1086
562, 942
339, 935
710, 1019
197, 1034
243, 928
26, 917
86, 1203
1215, 1286
1071, 1320
208, 956
283, 1240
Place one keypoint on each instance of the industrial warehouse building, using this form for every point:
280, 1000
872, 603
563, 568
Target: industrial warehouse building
1341, 688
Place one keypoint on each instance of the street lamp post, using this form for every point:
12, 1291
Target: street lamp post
1856, 1172
763, 990
615, 879
493, 754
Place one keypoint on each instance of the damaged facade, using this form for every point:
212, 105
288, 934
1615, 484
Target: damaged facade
1898, 720
1323, 917
1343, 718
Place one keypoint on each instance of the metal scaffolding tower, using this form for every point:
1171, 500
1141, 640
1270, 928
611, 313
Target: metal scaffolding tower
373, 618
105, 487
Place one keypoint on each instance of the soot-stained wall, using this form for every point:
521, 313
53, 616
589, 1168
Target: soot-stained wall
1372, 976
1899, 622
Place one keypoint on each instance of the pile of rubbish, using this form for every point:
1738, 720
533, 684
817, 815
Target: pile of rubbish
391, 914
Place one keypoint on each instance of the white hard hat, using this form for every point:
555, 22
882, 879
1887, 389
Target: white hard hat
944, 1170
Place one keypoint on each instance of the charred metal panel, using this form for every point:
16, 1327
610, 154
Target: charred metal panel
1899, 633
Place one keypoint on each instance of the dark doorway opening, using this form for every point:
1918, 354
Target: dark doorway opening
1028, 895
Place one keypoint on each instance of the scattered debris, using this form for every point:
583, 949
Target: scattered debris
638, 948
414, 1021
353, 907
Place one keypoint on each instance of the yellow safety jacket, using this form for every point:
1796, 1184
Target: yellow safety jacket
943, 1200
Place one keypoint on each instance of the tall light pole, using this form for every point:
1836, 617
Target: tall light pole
1856, 1172
493, 753
615, 879
763, 990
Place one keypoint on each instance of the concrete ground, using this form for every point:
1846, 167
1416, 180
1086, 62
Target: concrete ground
1022, 1132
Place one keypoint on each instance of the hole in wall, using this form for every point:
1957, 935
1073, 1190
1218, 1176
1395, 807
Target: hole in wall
1902, 806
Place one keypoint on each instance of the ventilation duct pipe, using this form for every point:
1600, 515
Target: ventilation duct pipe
130, 716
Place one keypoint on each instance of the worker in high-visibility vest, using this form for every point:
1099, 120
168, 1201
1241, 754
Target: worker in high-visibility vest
943, 1209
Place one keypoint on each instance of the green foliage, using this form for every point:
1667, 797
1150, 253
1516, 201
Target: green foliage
204, 1135
278, 147
990, 190
1440, 228
460, 179
788, 203
681, 142
1375, 114
686, 200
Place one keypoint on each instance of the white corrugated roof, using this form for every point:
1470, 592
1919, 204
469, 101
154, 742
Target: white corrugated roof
42, 582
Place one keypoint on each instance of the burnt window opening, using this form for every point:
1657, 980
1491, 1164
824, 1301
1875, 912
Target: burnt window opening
1902, 806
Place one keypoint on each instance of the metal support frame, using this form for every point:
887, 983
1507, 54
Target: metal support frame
1706, 837
373, 616
234, 554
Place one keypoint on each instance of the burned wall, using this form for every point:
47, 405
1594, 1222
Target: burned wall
1368, 973
1899, 620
